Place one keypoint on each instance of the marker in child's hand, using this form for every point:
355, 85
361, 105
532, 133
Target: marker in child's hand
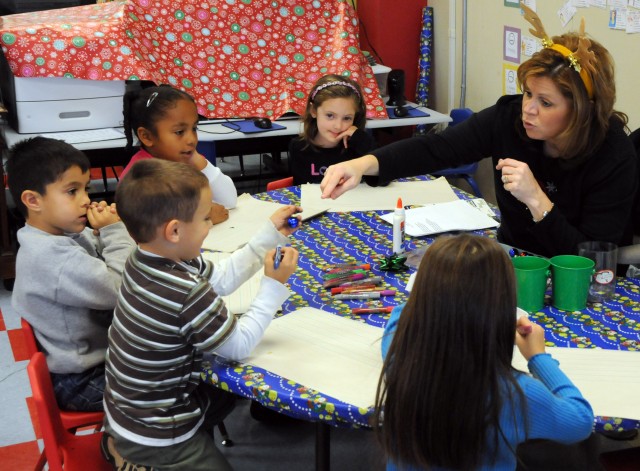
278, 257
293, 222
524, 329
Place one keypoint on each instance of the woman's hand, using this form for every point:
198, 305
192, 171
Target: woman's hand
518, 180
342, 177
218, 213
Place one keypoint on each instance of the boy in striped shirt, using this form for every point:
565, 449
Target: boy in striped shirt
169, 313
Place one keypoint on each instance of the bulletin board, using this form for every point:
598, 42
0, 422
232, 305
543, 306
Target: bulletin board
486, 61
237, 58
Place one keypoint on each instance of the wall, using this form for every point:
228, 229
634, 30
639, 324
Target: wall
486, 21
485, 50
394, 32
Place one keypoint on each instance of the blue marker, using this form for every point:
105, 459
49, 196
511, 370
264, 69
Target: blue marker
276, 262
293, 222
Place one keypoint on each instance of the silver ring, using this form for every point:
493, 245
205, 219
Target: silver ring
505, 180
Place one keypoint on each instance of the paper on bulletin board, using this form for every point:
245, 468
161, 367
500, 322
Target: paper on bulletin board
345, 366
511, 44
509, 79
530, 45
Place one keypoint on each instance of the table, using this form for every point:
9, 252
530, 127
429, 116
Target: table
216, 140
221, 135
362, 237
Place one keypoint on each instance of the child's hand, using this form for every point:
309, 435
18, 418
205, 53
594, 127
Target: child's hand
280, 217
198, 161
287, 265
218, 213
101, 215
347, 134
529, 338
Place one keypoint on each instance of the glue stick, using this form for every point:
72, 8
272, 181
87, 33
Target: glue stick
398, 228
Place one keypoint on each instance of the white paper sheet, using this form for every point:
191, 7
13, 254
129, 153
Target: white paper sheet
245, 219
443, 217
323, 351
608, 379
370, 198
240, 300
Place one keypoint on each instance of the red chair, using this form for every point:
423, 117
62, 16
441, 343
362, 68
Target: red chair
61, 447
277, 184
71, 420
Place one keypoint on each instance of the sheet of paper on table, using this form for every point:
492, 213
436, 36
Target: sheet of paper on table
240, 300
336, 356
608, 379
371, 198
245, 219
443, 217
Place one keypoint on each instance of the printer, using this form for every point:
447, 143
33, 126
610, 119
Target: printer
54, 104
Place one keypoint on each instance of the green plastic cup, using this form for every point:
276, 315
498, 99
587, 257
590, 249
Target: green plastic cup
531, 277
571, 277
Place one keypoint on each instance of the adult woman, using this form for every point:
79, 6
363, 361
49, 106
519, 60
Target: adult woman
564, 167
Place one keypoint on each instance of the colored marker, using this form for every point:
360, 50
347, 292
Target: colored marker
276, 261
364, 266
340, 281
524, 329
371, 295
293, 222
365, 281
342, 289
375, 289
371, 310
341, 265
343, 274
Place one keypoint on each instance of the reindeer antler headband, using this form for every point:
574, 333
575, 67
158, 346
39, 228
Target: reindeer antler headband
581, 60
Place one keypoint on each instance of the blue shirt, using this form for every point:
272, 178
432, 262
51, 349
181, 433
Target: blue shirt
555, 408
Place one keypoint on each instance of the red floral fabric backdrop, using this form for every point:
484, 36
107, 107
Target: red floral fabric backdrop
235, 57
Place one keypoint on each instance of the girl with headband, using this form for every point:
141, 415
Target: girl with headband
333, 129
565, 169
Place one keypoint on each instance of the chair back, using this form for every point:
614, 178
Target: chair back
459, 114
61, 447
29, 338
277, 184
53, 432
635, 215
465, 171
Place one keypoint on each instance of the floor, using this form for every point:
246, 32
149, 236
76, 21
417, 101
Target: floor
259, 445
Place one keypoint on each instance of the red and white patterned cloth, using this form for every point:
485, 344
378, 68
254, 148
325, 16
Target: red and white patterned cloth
235, 57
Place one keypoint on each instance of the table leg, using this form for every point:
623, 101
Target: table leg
323, 446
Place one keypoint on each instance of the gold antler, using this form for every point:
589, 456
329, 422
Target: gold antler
533, 18
586, 57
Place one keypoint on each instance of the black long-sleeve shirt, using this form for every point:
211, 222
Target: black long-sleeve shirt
308, 163
592, 199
